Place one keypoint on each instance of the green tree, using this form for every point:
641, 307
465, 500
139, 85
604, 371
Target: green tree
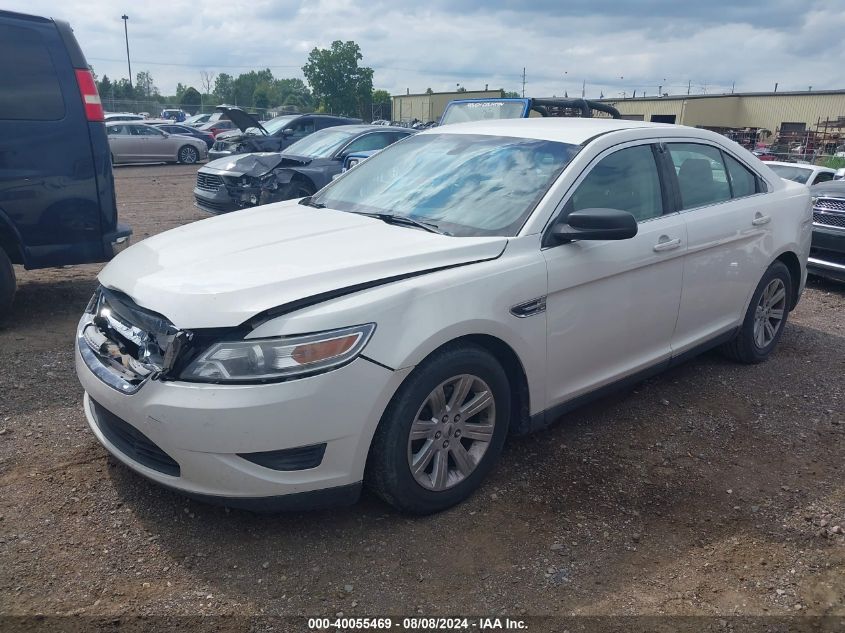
510, 94
224, 88
144, 86
191, 100
261, 97
246, 83
337, 81
381, 108
429, 91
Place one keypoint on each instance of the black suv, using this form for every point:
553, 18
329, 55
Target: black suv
271, 136
57, 202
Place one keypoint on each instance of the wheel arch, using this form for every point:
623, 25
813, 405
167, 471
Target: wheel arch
793, 264
510, 362
10, 241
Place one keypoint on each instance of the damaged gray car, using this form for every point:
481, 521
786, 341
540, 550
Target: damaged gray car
249, 180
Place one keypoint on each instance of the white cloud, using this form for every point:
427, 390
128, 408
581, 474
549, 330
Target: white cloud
615, 47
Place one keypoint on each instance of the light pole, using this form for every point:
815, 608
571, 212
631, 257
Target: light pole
125, 19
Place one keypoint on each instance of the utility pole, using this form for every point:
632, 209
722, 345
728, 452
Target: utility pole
125, 19
523, 82
733, 85
689, 86
776, 86
583, 88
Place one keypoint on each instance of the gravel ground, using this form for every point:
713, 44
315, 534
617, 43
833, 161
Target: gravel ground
713, 489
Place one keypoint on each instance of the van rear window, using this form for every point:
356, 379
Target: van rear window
29, 85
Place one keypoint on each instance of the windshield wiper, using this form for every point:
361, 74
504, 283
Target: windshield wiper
404, 220
308, 203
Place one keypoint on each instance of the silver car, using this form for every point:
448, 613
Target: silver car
132, 142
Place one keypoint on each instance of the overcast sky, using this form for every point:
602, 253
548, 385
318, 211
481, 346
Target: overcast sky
615, 46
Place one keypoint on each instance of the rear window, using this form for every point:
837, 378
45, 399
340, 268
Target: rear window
29, 86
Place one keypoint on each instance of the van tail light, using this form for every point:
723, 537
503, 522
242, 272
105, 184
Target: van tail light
90, 96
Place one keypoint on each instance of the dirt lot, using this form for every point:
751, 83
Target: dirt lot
712, 489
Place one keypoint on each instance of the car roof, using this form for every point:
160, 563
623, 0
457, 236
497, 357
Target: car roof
366, 127
563, 129
799, 165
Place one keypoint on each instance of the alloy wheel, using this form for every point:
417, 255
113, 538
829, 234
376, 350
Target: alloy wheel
451, 432
188, 155
768, 317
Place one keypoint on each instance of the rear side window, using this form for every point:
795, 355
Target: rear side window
702, 177
377, 140
743, 182
29, 85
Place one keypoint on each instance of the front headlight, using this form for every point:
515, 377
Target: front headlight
278, 358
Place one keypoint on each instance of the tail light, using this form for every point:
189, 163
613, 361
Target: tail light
90, 96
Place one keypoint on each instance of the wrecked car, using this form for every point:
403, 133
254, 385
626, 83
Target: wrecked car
249, 180
271, 136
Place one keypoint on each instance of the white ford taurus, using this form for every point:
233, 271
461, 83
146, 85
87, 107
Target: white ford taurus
469, 282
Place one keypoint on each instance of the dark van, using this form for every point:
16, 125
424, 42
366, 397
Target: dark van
57, 201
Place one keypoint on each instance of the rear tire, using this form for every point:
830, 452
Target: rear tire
8, 285
188, 155
425, 457
765, 318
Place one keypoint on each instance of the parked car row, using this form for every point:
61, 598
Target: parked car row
246, 180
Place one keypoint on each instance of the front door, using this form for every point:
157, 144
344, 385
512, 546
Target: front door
612, 305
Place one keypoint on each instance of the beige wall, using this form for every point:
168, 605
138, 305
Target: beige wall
739, 111
429, 107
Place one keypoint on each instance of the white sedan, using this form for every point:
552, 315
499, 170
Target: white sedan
463, 284
803, 173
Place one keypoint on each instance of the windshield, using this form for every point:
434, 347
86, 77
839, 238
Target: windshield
466, 184
482, 111
321, 144
796, 174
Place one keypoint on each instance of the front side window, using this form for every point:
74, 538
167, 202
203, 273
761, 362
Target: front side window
302, 128
823, 176
702, 177
626, 180
466, 184
377, 140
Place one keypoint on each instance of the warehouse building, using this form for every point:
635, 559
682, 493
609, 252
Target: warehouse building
428, 106
774, 113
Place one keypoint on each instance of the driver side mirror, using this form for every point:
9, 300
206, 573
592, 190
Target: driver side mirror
287, 132
596, 224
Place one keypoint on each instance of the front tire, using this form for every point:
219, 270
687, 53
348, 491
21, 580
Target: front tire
765, 318
442, 432
8, 284
188, 155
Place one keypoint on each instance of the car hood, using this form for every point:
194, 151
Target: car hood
242, 119
222, 271
833, 189
254, 164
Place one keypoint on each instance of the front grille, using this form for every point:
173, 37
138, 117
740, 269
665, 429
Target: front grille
829, 219
208, 182
132, 443
830, 204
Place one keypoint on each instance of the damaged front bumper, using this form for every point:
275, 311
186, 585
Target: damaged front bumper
223, 190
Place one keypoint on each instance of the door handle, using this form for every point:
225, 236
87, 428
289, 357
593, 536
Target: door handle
666, 244
760, 219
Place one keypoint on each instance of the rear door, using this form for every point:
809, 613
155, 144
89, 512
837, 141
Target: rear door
612, 306
729, 228
48, 184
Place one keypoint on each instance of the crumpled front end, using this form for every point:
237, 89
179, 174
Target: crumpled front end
125, 345
244, 181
